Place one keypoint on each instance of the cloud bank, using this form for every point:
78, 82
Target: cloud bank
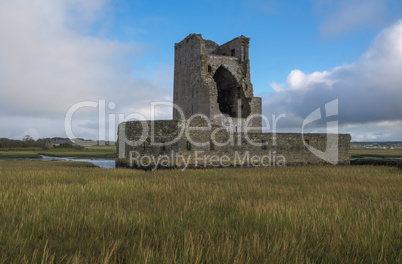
49, 61
369, 90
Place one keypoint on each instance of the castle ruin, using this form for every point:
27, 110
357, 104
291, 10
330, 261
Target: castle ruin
214, 80
217, 120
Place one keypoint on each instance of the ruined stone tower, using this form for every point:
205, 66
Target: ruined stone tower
214, 80
217, 120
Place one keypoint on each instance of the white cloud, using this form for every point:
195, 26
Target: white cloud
49, 62
297, 79
369, 90
277, 87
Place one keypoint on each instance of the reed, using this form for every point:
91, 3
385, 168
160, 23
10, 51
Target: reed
62, 212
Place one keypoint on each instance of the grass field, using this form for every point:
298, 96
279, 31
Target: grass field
18, 154
379, 153
87, 152
60, 212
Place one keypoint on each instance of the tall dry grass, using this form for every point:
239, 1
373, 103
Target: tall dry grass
52, 212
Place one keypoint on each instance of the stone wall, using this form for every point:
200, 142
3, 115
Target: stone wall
192, 142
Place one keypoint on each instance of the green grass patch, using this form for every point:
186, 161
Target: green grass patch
104, 152
376, 153
87, 152
79, 154
56, 212
20, 149
102, 148
19, 155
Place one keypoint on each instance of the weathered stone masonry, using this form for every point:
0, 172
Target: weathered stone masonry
214, 81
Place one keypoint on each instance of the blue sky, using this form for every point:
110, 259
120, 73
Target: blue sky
54, 54
285, 35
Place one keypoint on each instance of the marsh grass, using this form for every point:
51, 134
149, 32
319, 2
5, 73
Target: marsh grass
79, 154
54, 212
379, 153
86, 152
107, 152
18, 154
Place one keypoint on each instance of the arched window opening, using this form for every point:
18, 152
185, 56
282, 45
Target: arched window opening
231, 98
